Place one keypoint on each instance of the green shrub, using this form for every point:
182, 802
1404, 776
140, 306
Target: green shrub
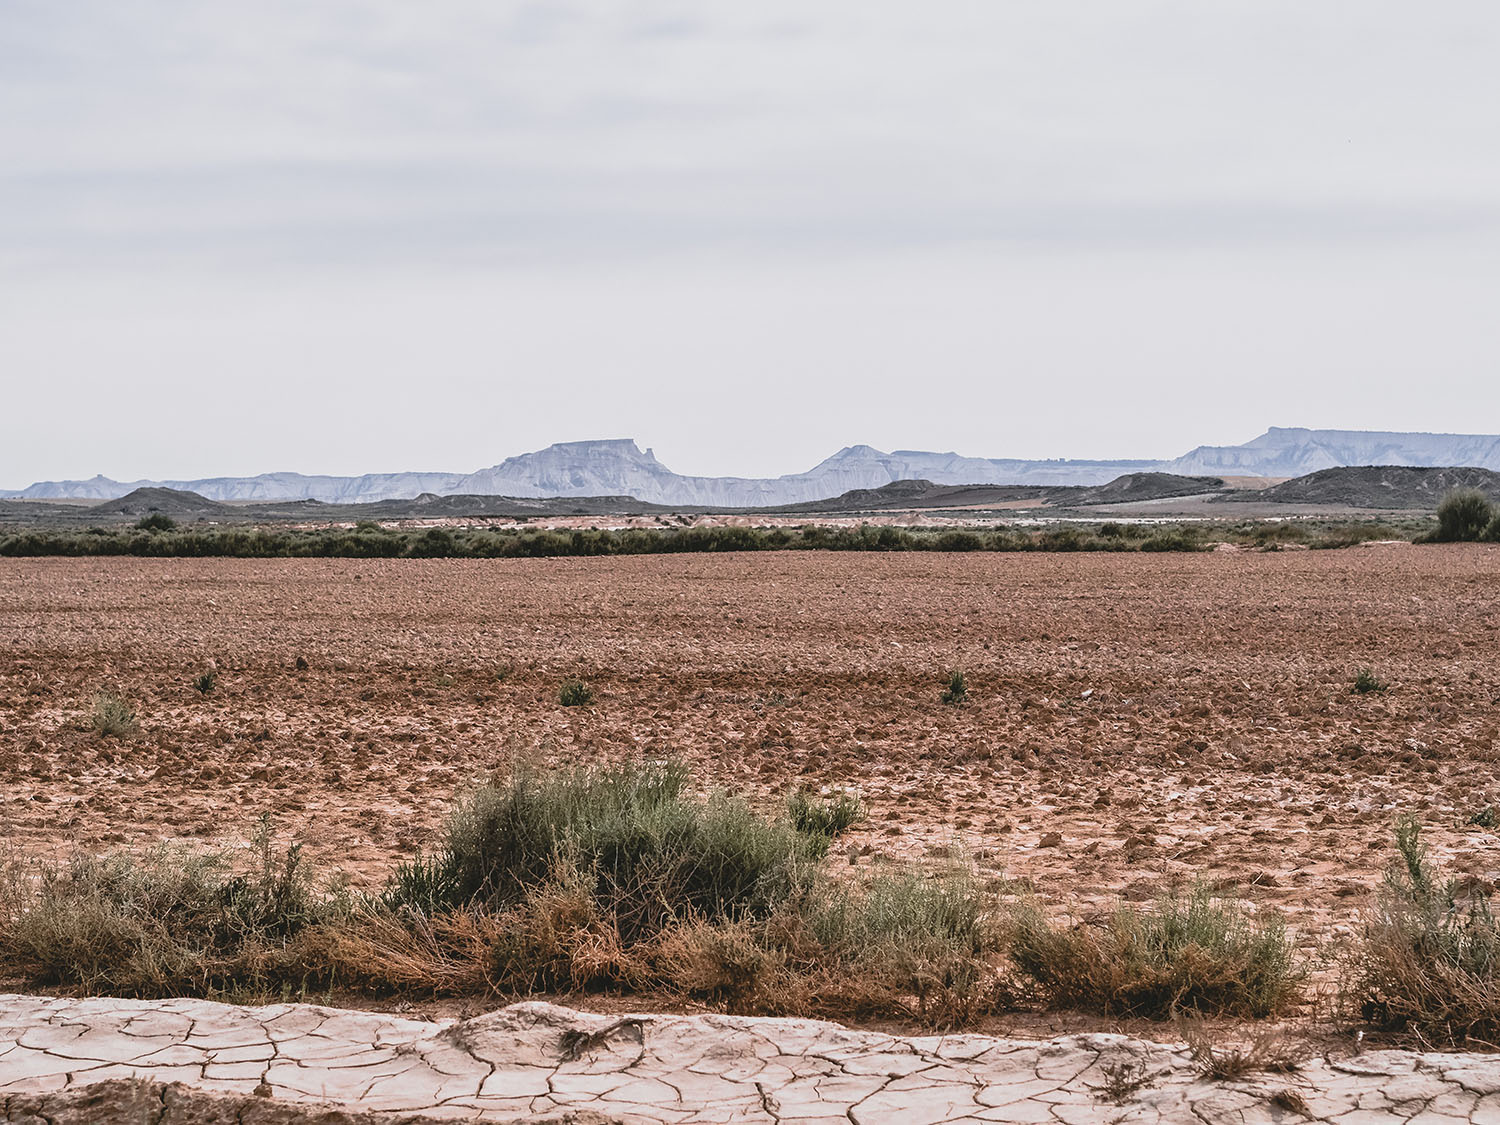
1492, 532
827, 817
958, 541
434, 543
1198, 954
957, 691
112, 716
1061, 539
1173, 539
1463, 515
206, 682
1273, 535
1429, 957
1366, 682
156, 521
575, 693
647, 851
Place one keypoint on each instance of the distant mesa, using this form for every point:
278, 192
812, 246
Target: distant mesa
619, 468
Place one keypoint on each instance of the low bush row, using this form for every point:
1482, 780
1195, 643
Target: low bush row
622, 879
486, 543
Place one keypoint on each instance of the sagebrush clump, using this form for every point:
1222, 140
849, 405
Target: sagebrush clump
112, 717
829, 817
646, 849
1429, 957
1464, 516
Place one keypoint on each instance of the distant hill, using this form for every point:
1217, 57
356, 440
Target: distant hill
1373, 486
1137, 487
173, 502
619, 467
925, 494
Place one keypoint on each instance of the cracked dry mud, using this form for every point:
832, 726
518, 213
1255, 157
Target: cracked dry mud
183, 1061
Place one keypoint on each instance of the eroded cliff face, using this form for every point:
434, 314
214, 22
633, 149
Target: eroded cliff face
619, 467
1293, 452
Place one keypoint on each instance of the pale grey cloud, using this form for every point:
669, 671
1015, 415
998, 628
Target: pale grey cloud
746, 234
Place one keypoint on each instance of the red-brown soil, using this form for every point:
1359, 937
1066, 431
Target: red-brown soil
1135, 720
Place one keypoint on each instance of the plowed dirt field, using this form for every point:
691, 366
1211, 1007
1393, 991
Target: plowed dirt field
1134, 719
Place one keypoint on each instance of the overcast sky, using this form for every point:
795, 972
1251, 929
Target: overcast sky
381, 235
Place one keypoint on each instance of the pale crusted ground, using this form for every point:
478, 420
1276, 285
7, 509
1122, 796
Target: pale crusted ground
1135, 719
536, 1062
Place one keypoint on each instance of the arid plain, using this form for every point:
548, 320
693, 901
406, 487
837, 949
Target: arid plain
1134, 720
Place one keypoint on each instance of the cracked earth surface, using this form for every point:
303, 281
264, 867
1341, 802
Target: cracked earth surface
536, 1062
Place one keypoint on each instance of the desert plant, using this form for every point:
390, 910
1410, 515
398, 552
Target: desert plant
1177, 538
957, 691
827, 817
205, 682
575, 693
156, 521
904, 944
1429, 957
1193, 953
1367, 682
567, 880
1123, 1079
167, 923
1267, 1050
1463, 516
648, 850
112, 717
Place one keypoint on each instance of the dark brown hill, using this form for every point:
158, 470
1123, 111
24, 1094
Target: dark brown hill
1130, 488
1374, 486
168, 501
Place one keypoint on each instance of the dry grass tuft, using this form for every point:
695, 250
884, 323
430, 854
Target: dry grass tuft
112, 717
1196, 954
384, 952
1123, 1079
1267, 1051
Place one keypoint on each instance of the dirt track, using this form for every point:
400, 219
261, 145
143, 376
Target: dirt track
1135, 719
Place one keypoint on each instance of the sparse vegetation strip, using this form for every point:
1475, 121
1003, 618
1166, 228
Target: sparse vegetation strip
624, 879
369, 540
